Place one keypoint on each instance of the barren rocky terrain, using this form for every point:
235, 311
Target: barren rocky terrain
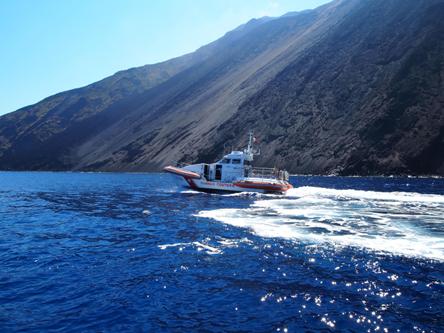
352, 87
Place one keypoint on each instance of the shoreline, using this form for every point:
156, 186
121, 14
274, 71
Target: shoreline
291, 175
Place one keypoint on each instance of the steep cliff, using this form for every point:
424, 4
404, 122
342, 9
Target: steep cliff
352, 87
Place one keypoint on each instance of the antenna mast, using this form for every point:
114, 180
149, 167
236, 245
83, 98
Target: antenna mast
250, 151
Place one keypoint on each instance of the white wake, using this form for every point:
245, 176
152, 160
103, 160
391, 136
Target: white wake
410, 224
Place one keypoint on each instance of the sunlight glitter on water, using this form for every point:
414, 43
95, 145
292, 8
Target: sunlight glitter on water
395, 222
134, 258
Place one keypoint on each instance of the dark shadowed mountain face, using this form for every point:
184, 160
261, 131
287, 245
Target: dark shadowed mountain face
353, 87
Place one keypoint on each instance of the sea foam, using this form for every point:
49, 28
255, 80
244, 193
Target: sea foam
401, 223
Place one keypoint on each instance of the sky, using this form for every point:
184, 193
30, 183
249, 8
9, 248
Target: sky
49, 46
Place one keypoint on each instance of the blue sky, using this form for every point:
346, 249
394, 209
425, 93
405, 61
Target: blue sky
48, 46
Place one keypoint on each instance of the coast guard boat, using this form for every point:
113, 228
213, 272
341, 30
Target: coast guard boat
234, 173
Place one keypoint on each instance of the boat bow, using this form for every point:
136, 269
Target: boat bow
182, 172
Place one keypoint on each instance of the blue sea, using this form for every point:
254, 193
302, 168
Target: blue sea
105, 252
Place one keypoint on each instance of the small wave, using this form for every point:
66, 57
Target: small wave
198, 245
190, 192
252, 195
222, 243
366, 195
409, 224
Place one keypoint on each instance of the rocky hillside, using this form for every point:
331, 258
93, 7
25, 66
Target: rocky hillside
352, 87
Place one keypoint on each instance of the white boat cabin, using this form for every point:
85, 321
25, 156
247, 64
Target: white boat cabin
231, 167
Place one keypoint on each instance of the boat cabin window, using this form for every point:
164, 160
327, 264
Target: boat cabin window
236, 161
226, 161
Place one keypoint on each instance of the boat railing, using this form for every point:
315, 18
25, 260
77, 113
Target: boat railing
274, 173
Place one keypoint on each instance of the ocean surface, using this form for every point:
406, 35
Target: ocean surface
91, 252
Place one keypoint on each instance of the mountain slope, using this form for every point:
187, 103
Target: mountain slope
367, 99
38, 136
352, 87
